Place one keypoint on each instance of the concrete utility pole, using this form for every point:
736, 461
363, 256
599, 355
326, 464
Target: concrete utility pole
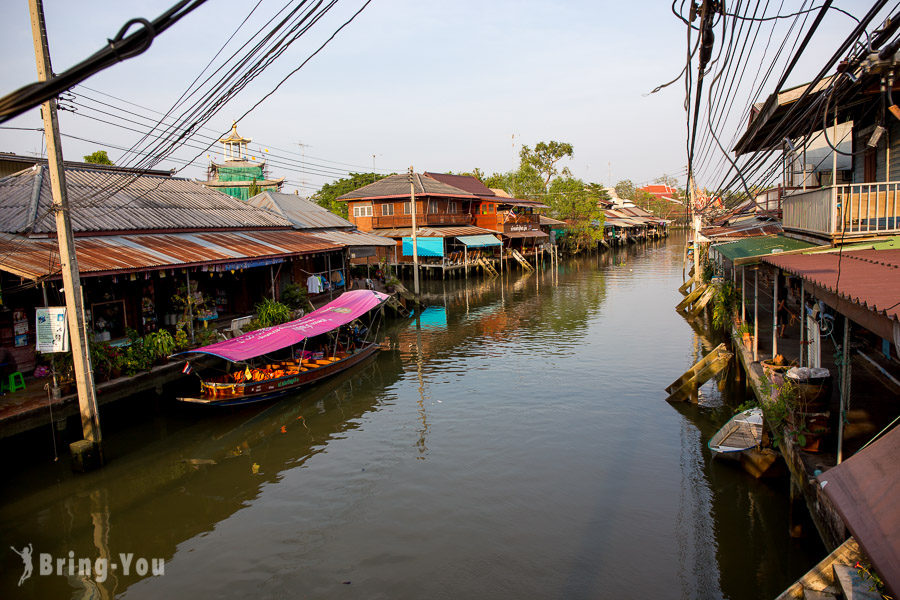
696, 223
87, 453
412, 200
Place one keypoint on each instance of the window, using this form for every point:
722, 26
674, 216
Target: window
407, 208
387, 210
453, 208
362, 210
432, 207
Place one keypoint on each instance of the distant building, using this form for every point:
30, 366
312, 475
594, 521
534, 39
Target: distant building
240, 170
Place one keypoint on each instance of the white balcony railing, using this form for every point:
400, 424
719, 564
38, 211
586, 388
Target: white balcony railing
854, 210
811, 211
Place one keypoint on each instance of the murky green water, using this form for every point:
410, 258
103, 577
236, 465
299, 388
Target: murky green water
512, 443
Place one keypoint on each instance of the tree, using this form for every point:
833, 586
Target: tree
254, 189
328, 193
98, 158
625, 190
575, 202
544, 157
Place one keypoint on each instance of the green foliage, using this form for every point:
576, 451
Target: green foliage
98, 158
745, 327
544, 157
707, 271
136, 357
625, 190
254, 189
571, 200
159, 344
867, 573
194, 303
181, 339
272, 312
294, 296
328, 193
779, 412
725, 304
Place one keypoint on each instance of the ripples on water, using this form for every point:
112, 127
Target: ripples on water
512, 443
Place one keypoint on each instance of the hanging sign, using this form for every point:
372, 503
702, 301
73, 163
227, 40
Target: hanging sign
52, 332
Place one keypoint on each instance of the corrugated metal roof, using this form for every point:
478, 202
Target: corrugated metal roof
534, 233
870, 278
551, 221
353, 238
303, 213
104, 201
748, 251
397, 186
34, 258
432, 232
467, 183
864, 489
743, 230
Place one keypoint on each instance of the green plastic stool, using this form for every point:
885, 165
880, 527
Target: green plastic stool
16, 382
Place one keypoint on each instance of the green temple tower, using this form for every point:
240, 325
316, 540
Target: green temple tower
240, 171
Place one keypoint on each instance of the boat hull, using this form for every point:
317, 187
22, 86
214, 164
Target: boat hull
741, 433
269, 389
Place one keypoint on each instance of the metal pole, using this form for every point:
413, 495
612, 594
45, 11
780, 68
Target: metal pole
328, 278
84, 379
412, 197
272, 279
802, 322
775, 314
845, 388
188, 299
743, 294
756, 314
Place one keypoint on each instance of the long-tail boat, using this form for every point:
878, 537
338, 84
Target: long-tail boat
275, 361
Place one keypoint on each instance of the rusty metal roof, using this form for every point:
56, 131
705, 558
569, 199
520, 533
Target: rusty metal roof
870, 278
397, 186
113, 201
102, 255
303, 213
432, 231
864, 489
744, 229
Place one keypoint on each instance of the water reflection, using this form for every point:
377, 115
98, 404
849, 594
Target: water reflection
511, 441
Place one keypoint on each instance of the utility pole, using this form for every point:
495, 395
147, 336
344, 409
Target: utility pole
87, 453
695, 215
412, 198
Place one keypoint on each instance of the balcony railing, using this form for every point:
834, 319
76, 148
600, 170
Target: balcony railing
853, 210
422, 220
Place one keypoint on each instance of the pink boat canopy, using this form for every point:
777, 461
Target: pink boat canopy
347, 307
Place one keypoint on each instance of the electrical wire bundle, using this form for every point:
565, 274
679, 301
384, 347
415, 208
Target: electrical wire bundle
737, 69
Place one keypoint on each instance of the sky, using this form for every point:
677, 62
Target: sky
439, 86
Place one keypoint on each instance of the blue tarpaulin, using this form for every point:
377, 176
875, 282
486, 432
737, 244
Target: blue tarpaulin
479, 241
426, 246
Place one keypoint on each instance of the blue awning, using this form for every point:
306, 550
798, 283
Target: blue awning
425, 246
479, 241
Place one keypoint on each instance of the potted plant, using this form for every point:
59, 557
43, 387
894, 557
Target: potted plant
745, 330
159, 345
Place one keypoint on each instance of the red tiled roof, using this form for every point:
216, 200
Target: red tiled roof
870, 278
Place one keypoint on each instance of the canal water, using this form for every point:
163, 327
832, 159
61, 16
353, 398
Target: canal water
511, 442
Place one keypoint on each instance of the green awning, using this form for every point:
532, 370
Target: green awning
479, 241
749, 251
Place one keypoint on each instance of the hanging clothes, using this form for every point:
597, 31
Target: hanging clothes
337, 279
314, 284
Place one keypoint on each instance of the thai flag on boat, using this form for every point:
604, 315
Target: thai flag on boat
187, 368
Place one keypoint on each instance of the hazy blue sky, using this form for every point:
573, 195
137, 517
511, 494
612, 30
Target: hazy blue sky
442, 86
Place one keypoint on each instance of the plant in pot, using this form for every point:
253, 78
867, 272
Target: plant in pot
159, 345
272, 312
745, 330
725, 303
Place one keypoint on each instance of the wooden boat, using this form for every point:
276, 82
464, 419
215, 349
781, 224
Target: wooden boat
253, 375
743, 432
